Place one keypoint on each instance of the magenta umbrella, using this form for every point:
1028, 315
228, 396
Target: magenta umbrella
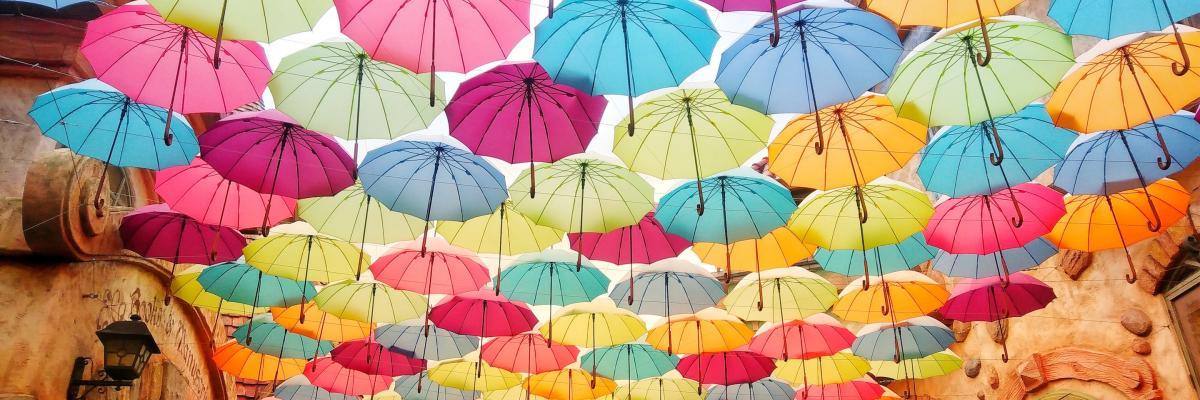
986, 224
516, 113
373, 358
408, 33
992, 299
200, 192
644, 243
157, 62
771, 6
482, 313
726, 368
155, 231
270, 153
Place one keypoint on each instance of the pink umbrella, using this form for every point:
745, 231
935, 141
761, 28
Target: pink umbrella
816, 336
993, 299
726, 368
986, 224
327, 374
156, 231
408, 33
441, 269
528, 353
852, 390
270, 153
516, 113
644, 243
771, 6
200, 192
482, 313
156, 62
375, 359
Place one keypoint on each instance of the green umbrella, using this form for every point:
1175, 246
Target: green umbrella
551, 278
268, 337
505, 231
353, 216
370, 302
243, 19
630, 361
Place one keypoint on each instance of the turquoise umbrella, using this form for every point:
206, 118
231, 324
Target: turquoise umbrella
242, 283
888, 258
1108, 19
978, 266
630, 361
918, 337
273, 339
552, 277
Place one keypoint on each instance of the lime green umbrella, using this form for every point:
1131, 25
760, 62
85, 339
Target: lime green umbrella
505, 231
353, 216
311, 258
243, 19
370, 302
778, 295
692, 134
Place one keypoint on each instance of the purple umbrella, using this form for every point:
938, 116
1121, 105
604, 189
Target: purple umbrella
996, 298
271, 153
516, 113
156, 231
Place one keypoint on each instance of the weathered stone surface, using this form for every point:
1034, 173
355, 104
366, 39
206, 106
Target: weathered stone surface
1133, 377
1141, 346
993, 378
971, 367
1074, 262
1136, 322
998, 330
961, 330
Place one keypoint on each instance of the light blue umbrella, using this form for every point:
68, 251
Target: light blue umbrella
72, 9
668, 287
1029, 141
553, 277
308, 392
630, 361
1111, 18
245, 284
762, 389
273, 339
825, 56
625, 47
738, 205
420, 387
432, 180
905, 340
1113, 161
886, 259
978, 266
425, 341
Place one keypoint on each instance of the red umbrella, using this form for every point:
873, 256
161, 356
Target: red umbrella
853, 390
156, 231
528, 353
816, 336
200, 192
993, 299
482, 313
375, 359
327, 374
440, 269
644, 243
726, 368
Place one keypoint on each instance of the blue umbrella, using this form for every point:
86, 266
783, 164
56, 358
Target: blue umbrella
1108, 19
889, 258
625, 47
978, 266
270, 338
825, 56
668, 287
420, 387
553, 277
95, 120
762, 389
432, 180
71, 9
1113, 161
630, 361
425, 341
1029, 144
308, 392
905, 340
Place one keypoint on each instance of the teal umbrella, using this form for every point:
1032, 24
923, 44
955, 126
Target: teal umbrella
630, 361
273, 339
241, 283
552, 277
888, 258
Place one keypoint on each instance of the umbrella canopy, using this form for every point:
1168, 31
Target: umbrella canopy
519, 392
1112, 161
552, 278
246, 20
156, 231
938, 364
306, 257
262, 335
327, 374
528, 353
861, 389
241, 283
200, 192
370, 302
590, 195
305, 391
1029, 141
474, 375
902, 295
505, 232
1107, 19
598, 323
762, 389
482, 313
84, 9
376, 359
708, 331
243, 363
671, 286
569, 384
817, 336
985, 224
780, 295
978, 266
186, 287
630, 361
780, 248
420, 387
837, 368
319, 324
643, 243
908, 339
426, 341
726, 368
659, 388
887, 258
986, 300
837, 54
441, 269
353, 216
852, 143
727, 208
938, 13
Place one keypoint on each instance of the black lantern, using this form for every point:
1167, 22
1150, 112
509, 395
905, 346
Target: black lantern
128, 346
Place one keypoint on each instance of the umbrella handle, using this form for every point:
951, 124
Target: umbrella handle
550, 9
1156, 224
819, 146
700, 194
1018, 220
983, 61
760, 294
896, 341
887, 299
1164, 162
997, 156
220, 34
1179, 70
1132, 276
862, 205
774, 37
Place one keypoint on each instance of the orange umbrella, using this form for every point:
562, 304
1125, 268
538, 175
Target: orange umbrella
1103, 222
241, 362
847, 144
308, 320
902, 295
943, 14
569, 384
780, 248
708, 331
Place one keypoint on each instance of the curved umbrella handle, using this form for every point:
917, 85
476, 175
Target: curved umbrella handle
819, 146
1164, 162
632, 119
887, 299
1132, 276
700, 195
861, 201
983, 60
896, 341
774, 37
1156, 224
1180, 70
997, 156
760, 294
1018, 220
1004, 355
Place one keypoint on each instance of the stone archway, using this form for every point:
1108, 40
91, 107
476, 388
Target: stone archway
1131, 376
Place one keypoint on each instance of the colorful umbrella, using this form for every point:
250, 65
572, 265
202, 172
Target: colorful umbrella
186, 287
425, 341
375, 359
708, 331
836, 55
598, 323
528, 353
938, 13
629, 361
246, 20
908, 339
569, 384
861, 389
510, 111
474, 375
1107, 19
482, 313
902, 295
645, 242
306, 257
816, 336
864, 138
241, 283
659, 388
837, 368
319, 325
420, 387
504, 232
81, 9
726, 368
200, 192
992, 299
887, 258
327, 374
156, 231
441, 269
262, 335
594, 44
243, 363
552, 278
667, 287
938, 364
780, 248
353, 216
1112, 161
519, 392
779, 295
762, 389
771, 6
369, 302
305, 391
978, 266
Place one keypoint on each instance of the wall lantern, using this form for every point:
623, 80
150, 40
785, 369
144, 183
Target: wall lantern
128, 346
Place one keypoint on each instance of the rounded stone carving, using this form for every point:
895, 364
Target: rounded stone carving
971, 367
1141, 346
998, 330
1136, 322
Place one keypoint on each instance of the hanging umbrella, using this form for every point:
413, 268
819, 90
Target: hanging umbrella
156, 231
629, 361
475, 375
200, 192
992, 299
441, 269
245, 20
726, 368
157, 62
373, 358
528, 353
771, 6
837, 368
816, 336
859, 389
1118, 220
708, 331
569, 384
692, 134
598, 323
243, 363
387, 30
369, 302
642, 243
482, 313
241, 283
264, 336
75, 9
552, 278
520, 392
327, 374
903, 340
667, 287
306, 257
887, 258
95, 120
510, 111
594, 44
780, 248
353, 216
902, 295
1028, 140
978, 266
504, 232
938, 13
835, 54
1107, 19
319, 324
938, 364
659, 388
186, 287
426, 342
432, 180
305, 391
420, 387
779, 295
864, 138
1112, 161
762, 389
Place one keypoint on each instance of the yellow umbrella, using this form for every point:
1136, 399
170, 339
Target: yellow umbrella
308, 320
936, 364
472, 375
598, 323
837, 368
370, 302
902, 295
707, 331
779, 248
780, 295
505, 231
519, 392
847, 144
312, 258
353, 216
660, 388
943, 14
187, 288
569, 384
